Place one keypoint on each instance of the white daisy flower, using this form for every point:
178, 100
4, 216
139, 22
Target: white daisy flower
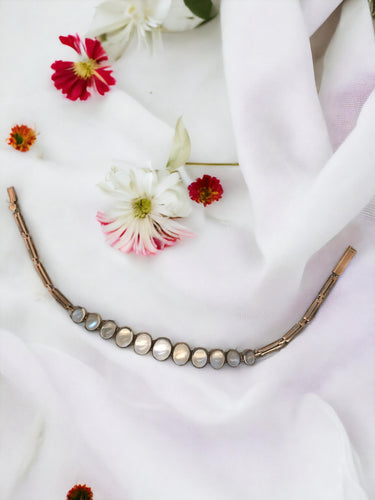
147, 203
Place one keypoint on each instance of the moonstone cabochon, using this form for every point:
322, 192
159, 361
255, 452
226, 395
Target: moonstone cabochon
92, 321
78, 314
248, 357
124, 337
233, 358
181, 354
142, 343
162, 349
199, 357
107, 330
217, 359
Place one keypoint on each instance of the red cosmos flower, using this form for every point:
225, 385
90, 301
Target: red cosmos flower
206, 190
21, 138
80, 492
74, 78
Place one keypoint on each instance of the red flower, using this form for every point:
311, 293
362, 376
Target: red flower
205, 190
21, 137
74, 78
80, 492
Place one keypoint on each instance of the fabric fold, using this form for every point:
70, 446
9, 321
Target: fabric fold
283, 133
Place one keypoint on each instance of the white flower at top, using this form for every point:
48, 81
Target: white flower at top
116, 22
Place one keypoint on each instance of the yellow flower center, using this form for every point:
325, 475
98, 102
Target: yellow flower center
85, 69
142, 207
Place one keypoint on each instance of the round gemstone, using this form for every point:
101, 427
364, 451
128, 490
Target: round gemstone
92, 321
181, 354
199, 357
248, 357
161, 349
78, 314
108, 329
142, 343
233, 358
217, 359
124, 337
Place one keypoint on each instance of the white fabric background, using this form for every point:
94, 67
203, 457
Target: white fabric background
76, 409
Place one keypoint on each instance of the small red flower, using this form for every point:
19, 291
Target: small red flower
80, 492
206, 190
21, 138
75, 78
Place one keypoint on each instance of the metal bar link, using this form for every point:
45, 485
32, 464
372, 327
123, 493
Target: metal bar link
312, 309
43, 275
293, 332
20, 223
328, 285
31, 248
61, 299
273, 346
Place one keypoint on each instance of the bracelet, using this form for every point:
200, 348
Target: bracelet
162, 348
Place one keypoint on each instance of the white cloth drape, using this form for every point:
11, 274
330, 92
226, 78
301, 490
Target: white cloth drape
76, 409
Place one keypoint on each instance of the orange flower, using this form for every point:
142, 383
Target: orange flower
80, 492
21, 137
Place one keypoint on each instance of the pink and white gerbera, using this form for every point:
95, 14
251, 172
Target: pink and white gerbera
146, 204
91, 71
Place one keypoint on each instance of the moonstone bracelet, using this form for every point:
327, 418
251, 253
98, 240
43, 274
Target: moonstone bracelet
162, 348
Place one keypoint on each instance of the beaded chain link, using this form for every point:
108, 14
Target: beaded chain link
162, 348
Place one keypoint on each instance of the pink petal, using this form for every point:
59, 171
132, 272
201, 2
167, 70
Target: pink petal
163, 233
77, 91
72, 41
102, 78
62, 65
95, 50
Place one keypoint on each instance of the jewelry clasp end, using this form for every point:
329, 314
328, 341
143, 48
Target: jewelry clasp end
12, 198
344, 261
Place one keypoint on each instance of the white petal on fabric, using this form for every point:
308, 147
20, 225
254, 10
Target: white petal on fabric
180, 148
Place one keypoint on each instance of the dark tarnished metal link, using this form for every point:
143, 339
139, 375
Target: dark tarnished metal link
43, 275
293, 332
61, 299
312, 310
31, 248
328, 285
20, 222
273, 346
